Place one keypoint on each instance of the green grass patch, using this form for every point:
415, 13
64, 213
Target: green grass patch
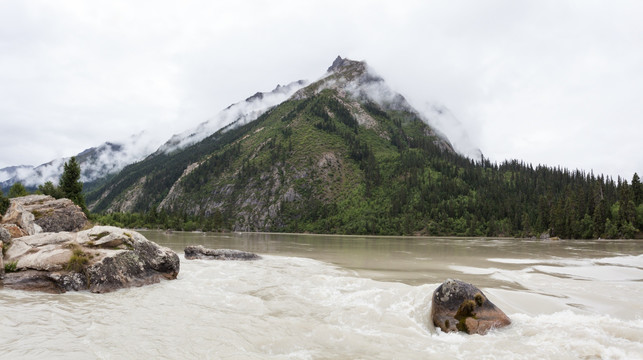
10, 266
100, 235
79, 259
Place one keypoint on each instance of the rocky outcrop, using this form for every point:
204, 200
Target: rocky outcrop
5, 235
13, 230
101, 259
18, 221
460, 306
33, 214
200, 252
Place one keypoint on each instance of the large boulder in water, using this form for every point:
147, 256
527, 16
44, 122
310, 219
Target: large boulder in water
200, 252
33, 214
460, 306
101, 259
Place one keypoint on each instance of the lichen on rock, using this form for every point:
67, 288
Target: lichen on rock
460, 306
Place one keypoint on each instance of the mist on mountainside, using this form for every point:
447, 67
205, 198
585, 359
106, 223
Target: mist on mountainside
110, 157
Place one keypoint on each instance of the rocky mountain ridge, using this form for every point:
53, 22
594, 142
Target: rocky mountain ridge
327, 142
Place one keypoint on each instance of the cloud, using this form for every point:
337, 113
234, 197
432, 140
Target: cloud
442, 119
237, 114
74, 74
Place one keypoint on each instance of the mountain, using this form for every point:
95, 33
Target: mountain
238, 113
96, 163
13, 172
339, 138
109, 158
346, 154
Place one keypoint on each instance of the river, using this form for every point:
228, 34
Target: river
346, 297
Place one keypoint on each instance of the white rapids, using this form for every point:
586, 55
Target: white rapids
295, 307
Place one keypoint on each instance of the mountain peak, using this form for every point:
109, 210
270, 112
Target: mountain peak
340, 63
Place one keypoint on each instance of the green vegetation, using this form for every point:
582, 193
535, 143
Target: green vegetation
70, 186
79, 259
465, 311
311, 166
50, 189
4, 204
10, 266
17, 190
479, 298
37, 214
99, 236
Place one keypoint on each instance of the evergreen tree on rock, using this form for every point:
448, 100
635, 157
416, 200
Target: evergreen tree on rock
70, 184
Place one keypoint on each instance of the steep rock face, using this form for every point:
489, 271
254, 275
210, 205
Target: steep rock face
101, 259
460, 306
129, 198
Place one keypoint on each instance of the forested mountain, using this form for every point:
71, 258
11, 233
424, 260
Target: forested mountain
346, 154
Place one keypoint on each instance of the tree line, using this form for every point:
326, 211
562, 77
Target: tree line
410, 185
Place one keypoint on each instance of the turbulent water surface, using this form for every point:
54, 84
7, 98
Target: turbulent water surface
339, 297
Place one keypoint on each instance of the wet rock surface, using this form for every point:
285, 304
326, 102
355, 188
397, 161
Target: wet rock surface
460, 306
201, 252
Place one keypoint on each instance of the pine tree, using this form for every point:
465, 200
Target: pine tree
17, 190
4, 204
600, 215
627, 209
637, 189
70, 184
49, 189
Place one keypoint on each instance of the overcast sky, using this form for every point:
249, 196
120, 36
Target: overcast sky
549, 82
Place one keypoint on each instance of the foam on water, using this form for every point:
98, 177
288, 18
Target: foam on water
292, 308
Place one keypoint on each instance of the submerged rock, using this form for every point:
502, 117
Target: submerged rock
101, 259
200, 252
460, 306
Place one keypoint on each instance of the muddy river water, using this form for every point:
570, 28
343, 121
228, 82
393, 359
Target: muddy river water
346, 297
